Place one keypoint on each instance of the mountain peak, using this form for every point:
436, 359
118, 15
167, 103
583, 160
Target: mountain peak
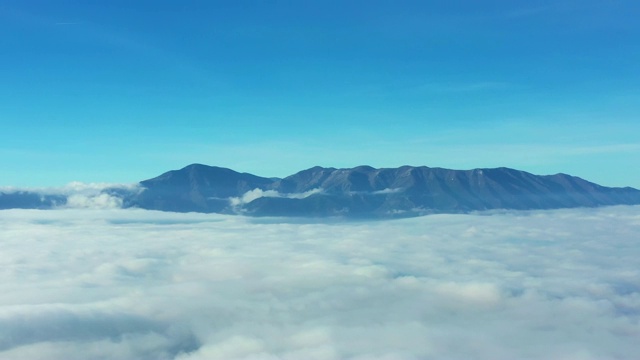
362, 191
407, 190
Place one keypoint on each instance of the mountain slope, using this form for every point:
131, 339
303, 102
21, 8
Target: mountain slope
197, 188
405, 191
364, 191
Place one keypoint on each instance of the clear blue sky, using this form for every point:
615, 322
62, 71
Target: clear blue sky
121, 91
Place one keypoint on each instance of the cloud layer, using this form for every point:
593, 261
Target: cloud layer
134, 284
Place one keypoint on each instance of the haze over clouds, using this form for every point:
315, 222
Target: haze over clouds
81, 195
135, 284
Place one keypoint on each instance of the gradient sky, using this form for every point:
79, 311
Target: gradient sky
121, 91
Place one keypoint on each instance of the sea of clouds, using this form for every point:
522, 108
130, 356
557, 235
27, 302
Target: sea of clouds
137, 284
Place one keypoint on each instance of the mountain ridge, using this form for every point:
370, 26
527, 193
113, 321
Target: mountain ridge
361, 191
364, 191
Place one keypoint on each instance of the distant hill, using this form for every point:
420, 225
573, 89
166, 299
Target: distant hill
197, 188
362, 191
29, 200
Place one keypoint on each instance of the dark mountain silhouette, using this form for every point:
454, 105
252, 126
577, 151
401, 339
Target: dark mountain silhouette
197, 188
30, 200
362, 191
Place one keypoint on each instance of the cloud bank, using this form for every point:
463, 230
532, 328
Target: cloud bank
135, 284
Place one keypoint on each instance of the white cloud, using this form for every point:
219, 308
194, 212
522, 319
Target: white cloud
136, 284
388, 191
99, 201
251, 195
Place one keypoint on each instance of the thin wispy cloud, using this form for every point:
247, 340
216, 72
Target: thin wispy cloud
528, 11
258, 193
432, 88
123, 284
464, 87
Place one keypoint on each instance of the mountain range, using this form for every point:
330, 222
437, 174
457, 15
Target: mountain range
363, 191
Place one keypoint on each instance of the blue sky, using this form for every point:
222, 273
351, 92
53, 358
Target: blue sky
121, 91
